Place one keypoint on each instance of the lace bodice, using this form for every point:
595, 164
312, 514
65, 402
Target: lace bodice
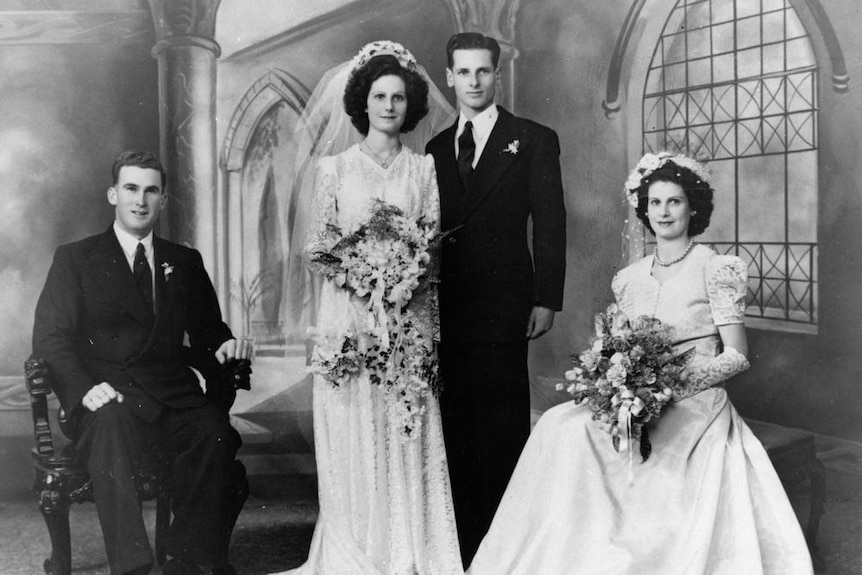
347, 185
708, 291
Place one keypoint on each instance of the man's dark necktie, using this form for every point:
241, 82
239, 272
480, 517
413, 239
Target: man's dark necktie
143, 274
466, 152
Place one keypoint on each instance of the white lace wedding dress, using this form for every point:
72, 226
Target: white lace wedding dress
385, 501
707, 500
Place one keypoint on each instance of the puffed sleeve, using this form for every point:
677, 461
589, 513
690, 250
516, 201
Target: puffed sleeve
726, 287
322, 217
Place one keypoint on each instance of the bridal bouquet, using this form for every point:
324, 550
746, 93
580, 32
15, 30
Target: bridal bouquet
407, 368
627, 376
384, 259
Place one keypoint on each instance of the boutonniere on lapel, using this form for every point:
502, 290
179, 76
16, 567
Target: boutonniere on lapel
168, 269
513, 147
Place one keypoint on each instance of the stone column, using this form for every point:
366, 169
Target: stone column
186, 51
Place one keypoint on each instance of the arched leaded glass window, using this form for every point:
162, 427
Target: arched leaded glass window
734, 83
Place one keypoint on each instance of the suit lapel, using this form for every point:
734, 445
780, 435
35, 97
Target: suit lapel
492, 164
110, 269
163, 269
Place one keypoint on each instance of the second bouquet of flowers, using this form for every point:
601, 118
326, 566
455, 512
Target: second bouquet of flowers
627, 376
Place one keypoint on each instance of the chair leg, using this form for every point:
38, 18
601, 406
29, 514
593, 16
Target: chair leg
816, 511
163, 524
236, 498
55, 510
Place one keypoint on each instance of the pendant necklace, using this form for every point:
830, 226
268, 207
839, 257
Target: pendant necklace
659, 261
384, 162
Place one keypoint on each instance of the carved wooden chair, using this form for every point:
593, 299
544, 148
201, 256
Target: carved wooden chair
62, 479
794, 458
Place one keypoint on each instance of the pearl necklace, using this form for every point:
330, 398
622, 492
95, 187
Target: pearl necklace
674, 261
384, 162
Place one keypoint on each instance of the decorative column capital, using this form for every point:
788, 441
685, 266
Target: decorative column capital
495, 18
185, 23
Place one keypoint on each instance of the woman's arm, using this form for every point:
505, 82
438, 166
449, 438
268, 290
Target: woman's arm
733, 335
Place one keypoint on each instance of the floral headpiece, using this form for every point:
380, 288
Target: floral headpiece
380, 48
652, 162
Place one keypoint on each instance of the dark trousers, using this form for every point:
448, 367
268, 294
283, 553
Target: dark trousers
485, 407
202, 446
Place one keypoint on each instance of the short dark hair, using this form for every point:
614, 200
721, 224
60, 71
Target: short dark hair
138, 159
359, 85
472, 41
697, 190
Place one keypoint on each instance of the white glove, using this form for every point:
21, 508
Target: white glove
722, 367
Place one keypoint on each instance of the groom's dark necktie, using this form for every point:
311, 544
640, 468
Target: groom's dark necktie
143, 274
466, 152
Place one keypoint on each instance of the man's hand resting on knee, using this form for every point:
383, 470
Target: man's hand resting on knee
101, 394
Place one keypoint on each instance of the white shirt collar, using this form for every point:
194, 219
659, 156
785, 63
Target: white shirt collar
483, 123
129, 243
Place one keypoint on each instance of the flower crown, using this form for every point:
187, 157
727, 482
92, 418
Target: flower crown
652, 162
380, 48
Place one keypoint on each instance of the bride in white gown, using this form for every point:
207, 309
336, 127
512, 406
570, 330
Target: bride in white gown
707, 500
385, 500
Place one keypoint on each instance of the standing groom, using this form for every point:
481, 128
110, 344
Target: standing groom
110, 325
495, 172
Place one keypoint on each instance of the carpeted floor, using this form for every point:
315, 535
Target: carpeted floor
273, 534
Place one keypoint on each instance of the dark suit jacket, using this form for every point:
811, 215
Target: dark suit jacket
92, 324
489, 282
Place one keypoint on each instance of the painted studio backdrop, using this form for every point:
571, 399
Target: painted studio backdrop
765, 91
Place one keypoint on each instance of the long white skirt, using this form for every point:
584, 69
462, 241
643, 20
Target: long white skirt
707, 501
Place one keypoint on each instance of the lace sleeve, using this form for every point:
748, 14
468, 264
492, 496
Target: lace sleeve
322, 219
726, 286
431, 200
431, 213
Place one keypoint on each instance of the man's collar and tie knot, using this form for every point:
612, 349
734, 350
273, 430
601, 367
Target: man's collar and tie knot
466, 152
140, 257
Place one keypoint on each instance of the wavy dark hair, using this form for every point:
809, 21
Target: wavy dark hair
138, 159
359, 85
698, 192
472, 41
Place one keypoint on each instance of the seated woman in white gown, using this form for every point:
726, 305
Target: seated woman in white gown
707, 499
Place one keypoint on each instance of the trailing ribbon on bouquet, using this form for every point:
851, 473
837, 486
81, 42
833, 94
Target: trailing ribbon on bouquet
378, 319
629, 407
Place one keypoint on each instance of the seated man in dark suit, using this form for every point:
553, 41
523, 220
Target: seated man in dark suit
110, 324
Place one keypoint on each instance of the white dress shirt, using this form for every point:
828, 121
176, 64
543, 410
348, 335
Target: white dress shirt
129, 243
483, 123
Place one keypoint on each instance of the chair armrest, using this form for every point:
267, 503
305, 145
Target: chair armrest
38, 386
222, 381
